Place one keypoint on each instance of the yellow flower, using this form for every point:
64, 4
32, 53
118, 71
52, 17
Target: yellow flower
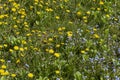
5, 73
2, 60
69, 33
3, 67
2, 70
30, 75
68, 11
57, 55
50, 39
57, 72
101, 2
1, 46
21, 49
78, 13
88, 12
13, 75
51, 51
58, 45
57, 17
96, 36
82, 51
13, 9
16, 48
5, 45
18, 61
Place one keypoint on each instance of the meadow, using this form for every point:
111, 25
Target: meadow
59, 39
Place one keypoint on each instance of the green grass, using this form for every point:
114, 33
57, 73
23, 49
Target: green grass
59, 39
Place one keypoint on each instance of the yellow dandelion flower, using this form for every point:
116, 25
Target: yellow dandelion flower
78, 13
50, 39
30, 75
69, 33
5, 73
16, 48
82, 51
2, 60
57, 17
96, 36
57, 72
10, 50
3, 67
13, 9
18, 61
101, 2
57, 45
51, 51
57, 55
2, 70
21, 49
13, 75
88, 12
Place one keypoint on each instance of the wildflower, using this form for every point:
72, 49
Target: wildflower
13, 9
96, 36
50, 39
107, 15
2, 60
78, 13
101, 2
5, 73
98, 9
18, 61
5, 45
88, 12
57, 17
16, 48
57, 55
69, 33
68, 11
82, 51
57, 71
11, 50
58, 45
13, 75
21, 49
87, 49
2, 70
51, 51
30, 75
3, 67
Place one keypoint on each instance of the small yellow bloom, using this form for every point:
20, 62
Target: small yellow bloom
2, 60
58, 45
13, 9
18, 61
101, 2
30, 75
16, 48
57, 55
3, 67
21, 49
2, 70
10, 50
78, 13
51, 51
83, 52
57, 72
88, 12
57, 17
13, 75
96, 36
5, 73
69, 33
5, 45
50, 39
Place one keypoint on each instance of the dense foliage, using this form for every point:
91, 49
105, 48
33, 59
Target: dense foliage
59, 39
